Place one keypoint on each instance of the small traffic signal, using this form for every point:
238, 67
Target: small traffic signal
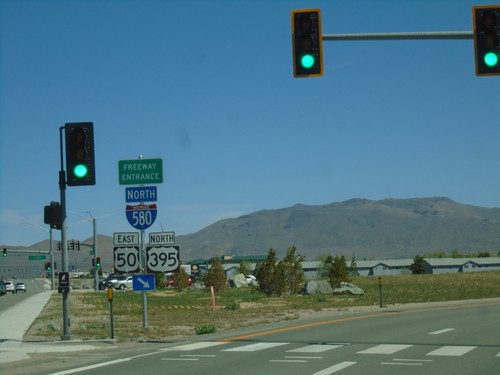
4, 252
307, 43
80, 161
47, 266
98, 261
58, 245
486, 21
52, 215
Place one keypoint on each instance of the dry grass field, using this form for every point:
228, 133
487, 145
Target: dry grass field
173, 313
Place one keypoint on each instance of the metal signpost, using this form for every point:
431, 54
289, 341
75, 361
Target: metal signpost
140, 216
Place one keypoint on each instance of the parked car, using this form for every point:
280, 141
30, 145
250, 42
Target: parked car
109, 281
3, 289
123, 282
20, 287
9, 286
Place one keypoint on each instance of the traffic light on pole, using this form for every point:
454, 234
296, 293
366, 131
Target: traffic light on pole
47, 266
80, 161
98, 261
486, 21
4, 252
307, 43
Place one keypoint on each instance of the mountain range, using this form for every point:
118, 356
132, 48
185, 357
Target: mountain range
385, 229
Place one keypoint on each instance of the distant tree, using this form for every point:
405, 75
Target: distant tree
484, 254
265, 274
418, 265
293, 272
336, 270
280, 285
181, 280
216, 276
244, 267
159, 280
353, 268
457, 254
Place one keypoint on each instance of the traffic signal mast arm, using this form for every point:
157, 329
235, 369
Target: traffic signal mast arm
435, 35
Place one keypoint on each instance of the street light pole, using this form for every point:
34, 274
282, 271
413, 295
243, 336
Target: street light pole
94, 246
51, 252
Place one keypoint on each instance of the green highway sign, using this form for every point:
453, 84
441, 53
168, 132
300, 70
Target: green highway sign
140, 171
36, 257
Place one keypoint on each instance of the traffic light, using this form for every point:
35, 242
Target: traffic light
486, 21
58, 245
80, 161
47, 266
307, 43
98, 261
52, 215
4, 252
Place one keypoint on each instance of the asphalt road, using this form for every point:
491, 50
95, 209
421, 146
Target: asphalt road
454, 339
32, 286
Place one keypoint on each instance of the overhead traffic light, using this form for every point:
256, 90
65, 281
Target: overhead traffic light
486, 21
307, 43
98, 261
4, 252
80, 161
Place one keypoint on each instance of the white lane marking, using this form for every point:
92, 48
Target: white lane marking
334, 368
384, 349
194, 346
301, 357
198, 355
288, 360
85, 368
454, 351
316, 348
441, 331
412, 360
498, 355
255, 347
402, 363
179, 359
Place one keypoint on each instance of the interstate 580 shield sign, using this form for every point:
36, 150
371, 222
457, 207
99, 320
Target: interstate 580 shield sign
141, 216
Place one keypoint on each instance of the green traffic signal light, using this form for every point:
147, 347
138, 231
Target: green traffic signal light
80, 170
4, 252
80, 160
491, 59
307, 61
486, 22
307, 43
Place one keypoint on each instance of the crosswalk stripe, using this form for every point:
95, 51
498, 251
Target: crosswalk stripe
255, 347
384, 349
316, 348
335, 368
454, 351
194, 345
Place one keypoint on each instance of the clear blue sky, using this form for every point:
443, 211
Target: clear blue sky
208, 87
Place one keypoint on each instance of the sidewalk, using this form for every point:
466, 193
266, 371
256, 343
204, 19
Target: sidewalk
16, 320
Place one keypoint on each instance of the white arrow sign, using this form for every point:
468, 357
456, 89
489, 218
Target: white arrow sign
144, 283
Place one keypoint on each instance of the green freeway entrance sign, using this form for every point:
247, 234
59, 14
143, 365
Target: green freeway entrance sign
36, 257
140, 171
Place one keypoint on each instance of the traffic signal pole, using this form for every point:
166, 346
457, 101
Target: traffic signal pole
425, 35
64, 247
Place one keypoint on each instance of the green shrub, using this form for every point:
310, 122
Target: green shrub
233, 305
202, 329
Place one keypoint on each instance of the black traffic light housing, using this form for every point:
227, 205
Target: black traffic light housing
52, 215
80, 158
486, 20
47, 266
4, 252
98, 261
307, 43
